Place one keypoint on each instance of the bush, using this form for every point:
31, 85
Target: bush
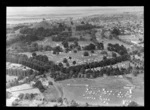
67, 64
104, 57
39, 85
65, 60
74, 104
74, 62
75, 51
21, 96
15, 103
33, 54
92, 51
133, 104
70, 58
86, 54
90, 47
114, 55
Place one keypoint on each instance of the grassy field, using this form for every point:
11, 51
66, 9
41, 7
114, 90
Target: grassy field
101, 91
10, 78
78, 57
114, 41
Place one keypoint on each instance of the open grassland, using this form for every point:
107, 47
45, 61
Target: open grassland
114, 41
48, 41
102, 91
78, 57
10, 78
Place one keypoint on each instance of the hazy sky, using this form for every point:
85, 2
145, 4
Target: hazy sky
51, 10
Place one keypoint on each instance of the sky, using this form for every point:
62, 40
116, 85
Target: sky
53, 10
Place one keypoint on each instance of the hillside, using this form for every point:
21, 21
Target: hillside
45, 24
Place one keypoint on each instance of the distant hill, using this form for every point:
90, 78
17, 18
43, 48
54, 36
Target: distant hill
45, 24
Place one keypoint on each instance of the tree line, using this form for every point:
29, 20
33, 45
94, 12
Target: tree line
86, 26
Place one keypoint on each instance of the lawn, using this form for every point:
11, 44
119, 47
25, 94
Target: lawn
10, 78
100, 91
78, 57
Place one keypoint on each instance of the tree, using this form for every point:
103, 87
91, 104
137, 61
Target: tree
74, 104
21, 96
75, 51
67, 64
104, 53
86, 54
65, 44
70, 58
47, 48
90, 47
74, 62
60, 100
33, 54
133, 104
82, 22
34, 46
39, 85
79, 48
76, 43
115, 32
92, 51
100, 46
114, 54
60, 64
104, 57
40, 47
65, 60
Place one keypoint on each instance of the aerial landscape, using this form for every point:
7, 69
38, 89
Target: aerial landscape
75, 56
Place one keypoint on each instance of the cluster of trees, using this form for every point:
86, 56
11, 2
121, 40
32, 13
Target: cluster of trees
86, 26
117, 48
62, 36
86, 54
39, 62
13, 40
8, 95
57, 49
106, 62
36, 47
33, 34
90, 47
100, 46
79, 70
109, 71
40, 86
27, 96
42, 32
82, 73
115, 32
19, 27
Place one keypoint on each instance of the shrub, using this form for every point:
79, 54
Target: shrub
67, 64
133, 104
92, 51
114, 54
75, 51
86, 54
21, 96
33, 54
90, 47
65, 60
104, 57
74, 62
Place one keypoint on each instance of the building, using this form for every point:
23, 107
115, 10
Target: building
18, 70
